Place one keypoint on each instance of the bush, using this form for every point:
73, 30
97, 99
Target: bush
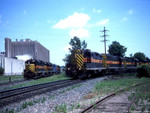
1, 71
143, 70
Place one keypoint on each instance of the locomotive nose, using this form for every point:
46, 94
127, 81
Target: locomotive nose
77, 59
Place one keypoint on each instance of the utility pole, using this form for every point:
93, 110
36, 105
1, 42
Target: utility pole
104, 36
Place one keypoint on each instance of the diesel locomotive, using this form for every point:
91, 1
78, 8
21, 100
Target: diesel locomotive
85, 63
36, 69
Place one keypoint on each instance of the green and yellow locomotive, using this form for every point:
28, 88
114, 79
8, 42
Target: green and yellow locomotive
36, 69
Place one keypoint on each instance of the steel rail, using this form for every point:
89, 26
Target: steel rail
17, 91
98, 102
112, 95
131, 103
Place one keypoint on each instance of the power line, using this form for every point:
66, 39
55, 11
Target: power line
104, 36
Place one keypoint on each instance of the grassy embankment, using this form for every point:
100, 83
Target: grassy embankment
5, 78
41, 80
141, 92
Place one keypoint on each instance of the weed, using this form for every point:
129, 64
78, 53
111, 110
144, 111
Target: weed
70, 88
7, 111
43, 99
132, 108
61, 108
40, 81
94, 106
52, 97
30, 103
24, 105
113, 86
143, 109
72, 106
77, 106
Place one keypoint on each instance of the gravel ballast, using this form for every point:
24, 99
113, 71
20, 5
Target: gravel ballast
46, 103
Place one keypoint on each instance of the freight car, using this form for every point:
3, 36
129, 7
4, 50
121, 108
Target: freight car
85, 64
36, 69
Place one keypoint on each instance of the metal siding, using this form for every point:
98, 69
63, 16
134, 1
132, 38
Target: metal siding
14, 66
33, 48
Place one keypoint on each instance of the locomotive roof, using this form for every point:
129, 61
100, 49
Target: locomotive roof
35, 61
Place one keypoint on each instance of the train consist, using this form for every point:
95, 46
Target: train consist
85, 64
36, 68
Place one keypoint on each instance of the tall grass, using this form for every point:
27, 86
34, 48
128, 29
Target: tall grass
106, 87
5, 78
41, 80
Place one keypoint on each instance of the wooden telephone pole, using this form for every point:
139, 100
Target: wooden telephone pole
105, 40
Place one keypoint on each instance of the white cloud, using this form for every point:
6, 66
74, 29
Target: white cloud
97, 11
77, 20
80, 33
103, 22
130, 12
124, 19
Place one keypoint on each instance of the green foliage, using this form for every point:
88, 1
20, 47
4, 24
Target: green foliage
40, 81
5, 78
139, 56
116, 49
1, 71
67, 58
106, 87
6, 110
61, 108
142, 97
143, 70
78, 106
75, 43
70, 88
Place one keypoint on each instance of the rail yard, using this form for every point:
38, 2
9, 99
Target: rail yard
74, 97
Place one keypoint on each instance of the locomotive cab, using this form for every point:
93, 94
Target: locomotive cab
76, 65
29, 71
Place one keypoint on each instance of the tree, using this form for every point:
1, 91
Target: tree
148, 59
1, 70
131, 55
75, 43
116, 49
140, 56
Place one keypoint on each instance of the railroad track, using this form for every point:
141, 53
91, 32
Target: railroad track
108, 103
9, 96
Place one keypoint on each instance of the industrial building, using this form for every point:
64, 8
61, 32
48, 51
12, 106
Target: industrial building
26, 47
14, 66
11, 66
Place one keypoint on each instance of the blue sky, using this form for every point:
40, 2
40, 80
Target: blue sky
54, 22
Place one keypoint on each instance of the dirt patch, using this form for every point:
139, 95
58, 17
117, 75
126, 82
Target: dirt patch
90, 96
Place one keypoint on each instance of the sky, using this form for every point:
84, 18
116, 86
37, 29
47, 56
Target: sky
54, 22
